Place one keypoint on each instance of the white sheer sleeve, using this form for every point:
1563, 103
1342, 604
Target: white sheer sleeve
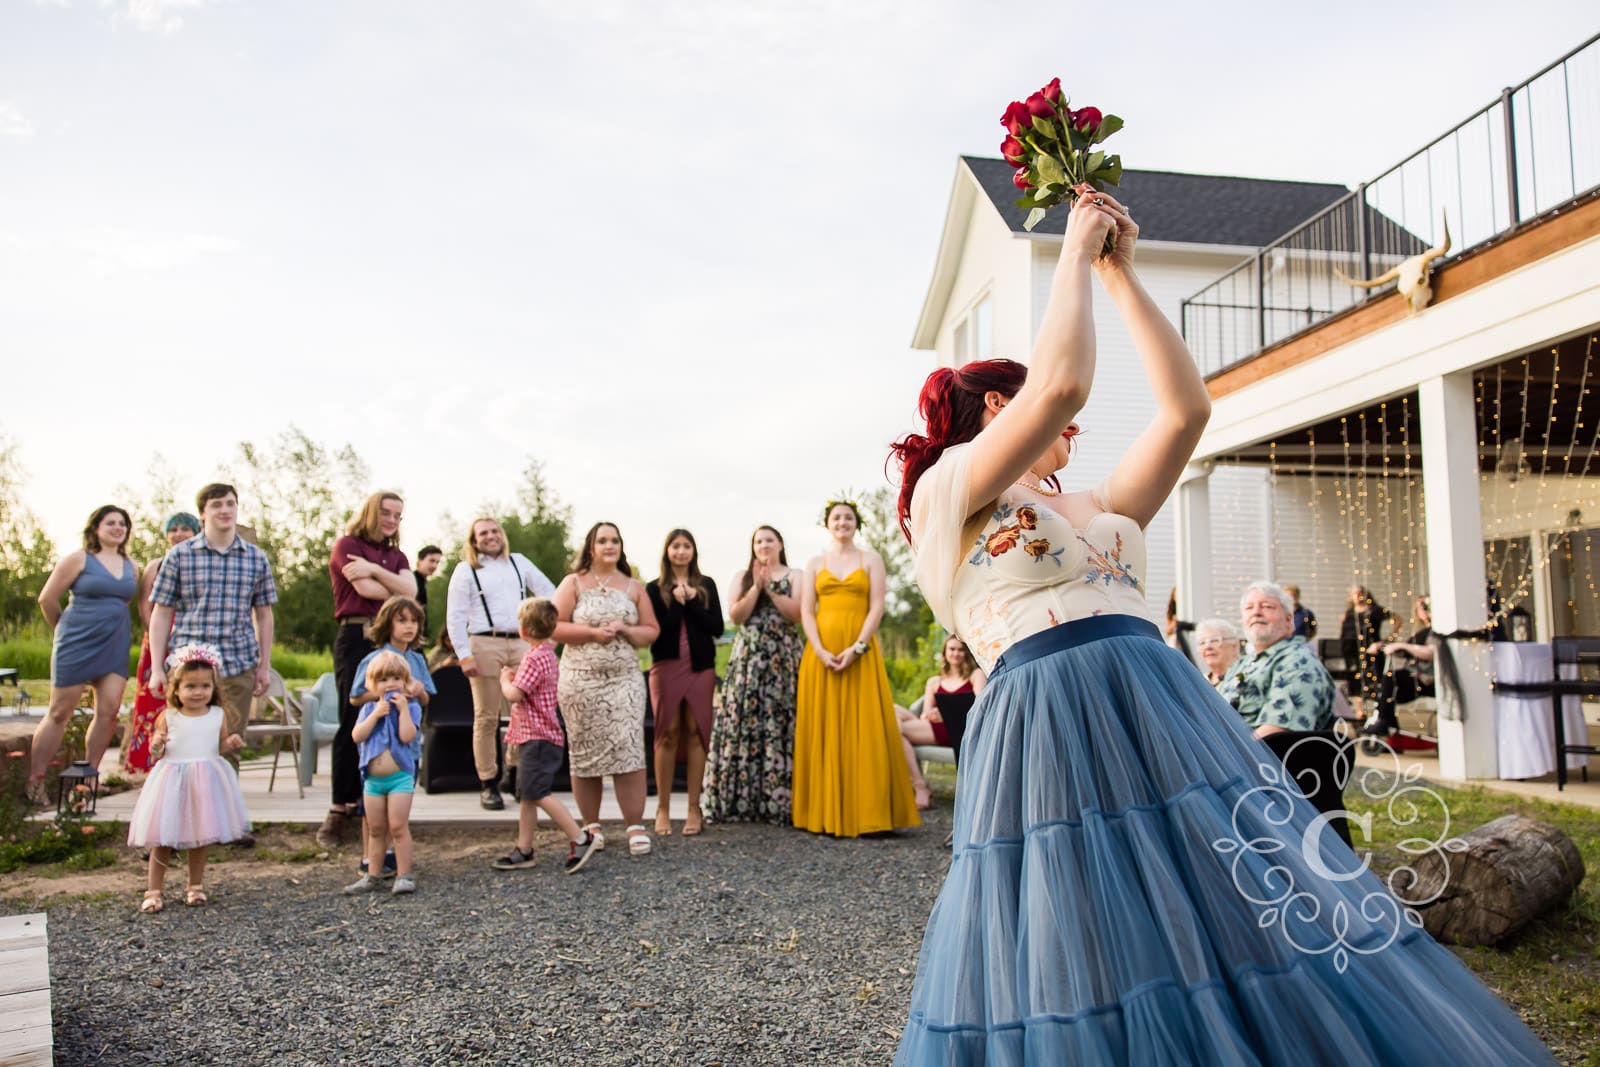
939, 510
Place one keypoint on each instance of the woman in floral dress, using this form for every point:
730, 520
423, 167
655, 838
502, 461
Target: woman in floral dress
604, 616
750, 766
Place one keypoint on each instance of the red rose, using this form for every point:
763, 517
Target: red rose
1017, 118
1087, 118
1039, 107
1052, 92
1012, 150
1019, 178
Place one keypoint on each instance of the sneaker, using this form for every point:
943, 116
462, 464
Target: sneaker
489, 798
1376, 727
331, 833
404, 884
389, 866
365, 884
579, 852
514, 860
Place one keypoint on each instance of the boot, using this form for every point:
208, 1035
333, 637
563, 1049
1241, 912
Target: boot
331, 833
489, 798
508, 780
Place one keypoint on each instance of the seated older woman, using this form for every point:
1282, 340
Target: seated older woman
1219, 642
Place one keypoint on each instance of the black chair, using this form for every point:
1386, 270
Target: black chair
447, 764
1577, 663
1320, 762
1331, 653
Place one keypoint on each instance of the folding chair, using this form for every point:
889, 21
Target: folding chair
276, 716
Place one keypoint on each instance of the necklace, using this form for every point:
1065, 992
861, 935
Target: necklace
602, 583
1042, 490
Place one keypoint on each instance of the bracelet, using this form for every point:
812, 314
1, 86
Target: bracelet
860, 648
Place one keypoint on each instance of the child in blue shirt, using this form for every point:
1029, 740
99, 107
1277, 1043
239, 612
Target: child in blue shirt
397, 628
389, 733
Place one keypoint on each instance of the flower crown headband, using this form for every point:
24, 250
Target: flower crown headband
195, 653
827, 509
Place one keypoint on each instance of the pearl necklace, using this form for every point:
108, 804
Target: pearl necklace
1042, 490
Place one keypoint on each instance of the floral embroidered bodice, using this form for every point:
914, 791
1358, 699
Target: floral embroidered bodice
1016, 567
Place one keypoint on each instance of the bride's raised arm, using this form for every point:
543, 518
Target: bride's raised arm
1060, 372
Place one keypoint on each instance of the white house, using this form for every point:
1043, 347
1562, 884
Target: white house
991, 280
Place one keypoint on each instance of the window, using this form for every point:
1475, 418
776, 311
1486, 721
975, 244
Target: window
974, 332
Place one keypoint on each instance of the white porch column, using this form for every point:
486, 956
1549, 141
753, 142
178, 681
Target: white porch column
1467, 736
1196, 599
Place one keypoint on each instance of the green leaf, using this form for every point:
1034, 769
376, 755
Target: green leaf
1026, 201
1111, 173
1050, 171
1108, 126
1035, 217
1094, 162
1076, 138
1043, 192
1046, 127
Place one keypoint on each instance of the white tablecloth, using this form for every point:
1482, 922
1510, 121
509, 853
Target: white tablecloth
1525, 724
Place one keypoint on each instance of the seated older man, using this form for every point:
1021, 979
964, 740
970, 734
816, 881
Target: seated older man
1280, 685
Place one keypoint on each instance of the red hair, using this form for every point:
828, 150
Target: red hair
951, 403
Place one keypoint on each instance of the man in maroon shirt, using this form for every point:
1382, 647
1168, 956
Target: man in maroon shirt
367, 568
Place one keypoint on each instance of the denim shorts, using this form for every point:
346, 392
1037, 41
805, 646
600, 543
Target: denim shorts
398, 782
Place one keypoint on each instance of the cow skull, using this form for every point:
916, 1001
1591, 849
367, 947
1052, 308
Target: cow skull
1411, 275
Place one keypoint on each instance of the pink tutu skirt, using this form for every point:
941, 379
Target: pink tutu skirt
189, 803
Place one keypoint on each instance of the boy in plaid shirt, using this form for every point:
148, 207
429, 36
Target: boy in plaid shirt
541, 743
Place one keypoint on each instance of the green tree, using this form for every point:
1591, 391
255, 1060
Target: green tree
906, 616
150, 507
296, 495
27, 554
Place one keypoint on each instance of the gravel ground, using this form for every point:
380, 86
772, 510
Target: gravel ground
746, 945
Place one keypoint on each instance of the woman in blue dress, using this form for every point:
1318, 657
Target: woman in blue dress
1131, 882
93, 636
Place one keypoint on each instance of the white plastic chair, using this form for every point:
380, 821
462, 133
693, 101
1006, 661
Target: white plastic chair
276, 716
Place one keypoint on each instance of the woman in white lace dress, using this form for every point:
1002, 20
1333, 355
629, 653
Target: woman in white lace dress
605, 615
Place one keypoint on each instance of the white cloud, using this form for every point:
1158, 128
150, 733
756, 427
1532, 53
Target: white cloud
13, 123
121, 249
157, 16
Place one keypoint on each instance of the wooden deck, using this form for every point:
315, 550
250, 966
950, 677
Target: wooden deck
25, 1036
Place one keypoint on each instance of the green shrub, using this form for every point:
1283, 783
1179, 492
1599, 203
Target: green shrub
296, 664
29, 654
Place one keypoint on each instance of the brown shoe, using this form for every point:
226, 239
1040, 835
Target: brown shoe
331, 833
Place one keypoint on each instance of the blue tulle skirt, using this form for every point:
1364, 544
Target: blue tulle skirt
1133, 883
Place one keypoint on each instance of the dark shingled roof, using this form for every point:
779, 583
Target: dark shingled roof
1187, 208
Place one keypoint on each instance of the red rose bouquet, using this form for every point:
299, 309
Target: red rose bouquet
1052, 148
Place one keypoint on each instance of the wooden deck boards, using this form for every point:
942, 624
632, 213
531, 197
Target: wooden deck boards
25, 1036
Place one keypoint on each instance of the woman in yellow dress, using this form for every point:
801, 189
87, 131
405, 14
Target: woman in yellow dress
850, 777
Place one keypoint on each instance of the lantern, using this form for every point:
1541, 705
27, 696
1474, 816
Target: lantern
77, 791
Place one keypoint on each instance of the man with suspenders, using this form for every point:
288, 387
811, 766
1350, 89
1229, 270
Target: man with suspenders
481, 618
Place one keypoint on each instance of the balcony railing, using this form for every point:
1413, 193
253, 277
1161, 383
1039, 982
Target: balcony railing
1532, 150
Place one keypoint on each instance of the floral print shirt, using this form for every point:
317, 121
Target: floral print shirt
1284, 685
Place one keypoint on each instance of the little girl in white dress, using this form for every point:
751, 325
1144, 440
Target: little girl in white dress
192, 798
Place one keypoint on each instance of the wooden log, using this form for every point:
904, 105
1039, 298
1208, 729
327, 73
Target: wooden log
1488, 883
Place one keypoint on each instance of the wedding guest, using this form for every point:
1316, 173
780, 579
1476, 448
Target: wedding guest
1305, 620
605, 615
1280, 686
1360, 628
217, 589
147, 707
366, 567
1410, 677
1218, 641
481, 616
946, 699
443, 653
849, 769
91, 637
683, 674
428, 560
750, 767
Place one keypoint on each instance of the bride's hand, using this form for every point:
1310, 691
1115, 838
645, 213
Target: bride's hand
1121, 257
1088, 223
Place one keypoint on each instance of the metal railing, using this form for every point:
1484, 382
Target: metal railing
1532, 150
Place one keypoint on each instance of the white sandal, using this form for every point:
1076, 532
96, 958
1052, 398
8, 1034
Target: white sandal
593, 829
638, 839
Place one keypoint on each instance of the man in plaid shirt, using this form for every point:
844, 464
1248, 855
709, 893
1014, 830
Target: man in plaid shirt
217, 588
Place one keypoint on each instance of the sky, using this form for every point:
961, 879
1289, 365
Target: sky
673, 251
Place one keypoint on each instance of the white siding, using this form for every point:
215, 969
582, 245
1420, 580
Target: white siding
995, 264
